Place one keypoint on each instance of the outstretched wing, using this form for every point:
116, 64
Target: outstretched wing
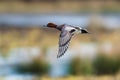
64, 41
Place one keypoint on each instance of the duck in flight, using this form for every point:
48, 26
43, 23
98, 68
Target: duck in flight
67, 32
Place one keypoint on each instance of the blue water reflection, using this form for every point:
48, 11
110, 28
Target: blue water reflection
42, 19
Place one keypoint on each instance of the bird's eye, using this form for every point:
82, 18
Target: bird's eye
72, 30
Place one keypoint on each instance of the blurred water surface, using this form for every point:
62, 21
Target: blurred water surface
21, 20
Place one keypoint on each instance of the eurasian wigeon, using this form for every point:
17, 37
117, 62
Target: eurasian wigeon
67, 32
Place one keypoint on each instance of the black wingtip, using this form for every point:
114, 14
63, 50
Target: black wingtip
58, 56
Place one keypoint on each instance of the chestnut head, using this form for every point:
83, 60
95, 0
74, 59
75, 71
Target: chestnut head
51, 25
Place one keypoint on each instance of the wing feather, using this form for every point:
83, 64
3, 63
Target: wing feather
64, 41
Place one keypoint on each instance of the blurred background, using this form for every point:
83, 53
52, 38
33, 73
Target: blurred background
28, 50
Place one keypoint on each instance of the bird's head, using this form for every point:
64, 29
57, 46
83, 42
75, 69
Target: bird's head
51, 25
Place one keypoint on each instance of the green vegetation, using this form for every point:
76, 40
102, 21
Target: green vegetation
106, 65
38, 67
80, 67
101, 65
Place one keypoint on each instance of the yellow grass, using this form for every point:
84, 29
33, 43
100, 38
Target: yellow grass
60, 6
104, 77
44, 38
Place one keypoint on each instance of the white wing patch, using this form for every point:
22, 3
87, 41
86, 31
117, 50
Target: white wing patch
69, 28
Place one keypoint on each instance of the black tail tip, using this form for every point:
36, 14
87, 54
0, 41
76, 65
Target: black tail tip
84, 31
